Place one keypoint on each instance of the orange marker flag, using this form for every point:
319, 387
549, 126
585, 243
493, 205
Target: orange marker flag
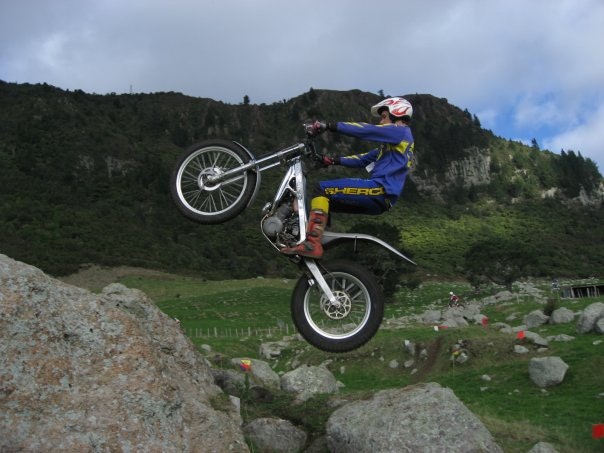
520, 335
597, 431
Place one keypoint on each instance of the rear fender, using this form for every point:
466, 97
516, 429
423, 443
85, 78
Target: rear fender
331, 239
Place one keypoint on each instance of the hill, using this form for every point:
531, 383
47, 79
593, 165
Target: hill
85, 181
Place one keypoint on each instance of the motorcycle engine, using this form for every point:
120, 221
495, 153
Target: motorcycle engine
273, 225
282, 227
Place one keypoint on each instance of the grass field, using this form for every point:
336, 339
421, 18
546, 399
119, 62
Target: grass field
516, 411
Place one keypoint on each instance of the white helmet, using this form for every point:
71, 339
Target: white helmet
451, 293
398, 107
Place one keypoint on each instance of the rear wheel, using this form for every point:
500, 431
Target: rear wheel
202, 200
348, 323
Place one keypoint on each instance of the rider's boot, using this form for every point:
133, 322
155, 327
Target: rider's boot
311, 247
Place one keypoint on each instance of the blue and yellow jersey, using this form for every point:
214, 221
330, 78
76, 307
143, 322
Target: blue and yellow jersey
391, 161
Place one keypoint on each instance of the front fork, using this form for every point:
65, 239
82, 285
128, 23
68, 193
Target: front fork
317, 276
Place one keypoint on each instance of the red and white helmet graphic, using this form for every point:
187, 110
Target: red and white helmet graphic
398, 107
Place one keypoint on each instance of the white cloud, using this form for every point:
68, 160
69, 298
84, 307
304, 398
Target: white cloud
519, 64
587, 138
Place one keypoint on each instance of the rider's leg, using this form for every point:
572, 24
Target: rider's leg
311, 247
351, 195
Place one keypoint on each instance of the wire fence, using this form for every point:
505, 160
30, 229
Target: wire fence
215, 332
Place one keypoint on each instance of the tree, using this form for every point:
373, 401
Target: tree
246, 100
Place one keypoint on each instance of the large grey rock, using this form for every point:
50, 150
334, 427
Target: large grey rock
535, 318
535, 338
419, 418
562, 315
273, 349
431, 316
543, 447
547, 371
590, 316
261, 373
307, 381
274, 435
599, 327
560, 337
101, 372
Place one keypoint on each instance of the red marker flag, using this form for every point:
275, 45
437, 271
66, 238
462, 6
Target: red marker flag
597, 431
485, 321
520, 335
246, 365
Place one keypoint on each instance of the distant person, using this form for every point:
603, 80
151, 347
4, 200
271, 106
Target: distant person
388, 166
453, 299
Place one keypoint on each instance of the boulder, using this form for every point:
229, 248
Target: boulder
425, 417
535, 338
590, 316
273, 349
275, 435
543, 447
599, 327
561, 315
307, 381
547, 371
535, 318
431, 316
105, 372
560, 337
260, 373
230, 381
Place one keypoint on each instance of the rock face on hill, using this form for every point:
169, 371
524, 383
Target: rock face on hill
101, 372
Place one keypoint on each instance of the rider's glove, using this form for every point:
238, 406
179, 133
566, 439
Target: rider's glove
327, 160
315, 128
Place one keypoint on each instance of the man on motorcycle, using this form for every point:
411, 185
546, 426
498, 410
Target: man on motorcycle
388, 165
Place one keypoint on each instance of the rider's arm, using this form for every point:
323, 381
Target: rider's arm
370, 132
358, 160
387, 133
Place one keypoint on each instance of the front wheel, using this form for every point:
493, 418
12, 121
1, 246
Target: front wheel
349, 323
202, 200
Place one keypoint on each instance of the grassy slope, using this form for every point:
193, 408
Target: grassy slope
518, 413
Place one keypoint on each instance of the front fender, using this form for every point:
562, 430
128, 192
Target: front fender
331, 239
258, 173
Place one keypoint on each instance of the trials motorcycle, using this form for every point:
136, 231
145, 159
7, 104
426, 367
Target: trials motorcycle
335, 306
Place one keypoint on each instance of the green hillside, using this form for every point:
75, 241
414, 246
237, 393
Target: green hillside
85, 179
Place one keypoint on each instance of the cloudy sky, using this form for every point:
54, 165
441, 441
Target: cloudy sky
527, 68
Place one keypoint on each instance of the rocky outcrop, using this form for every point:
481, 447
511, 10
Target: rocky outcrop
101, 372
472, 170
425, 417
